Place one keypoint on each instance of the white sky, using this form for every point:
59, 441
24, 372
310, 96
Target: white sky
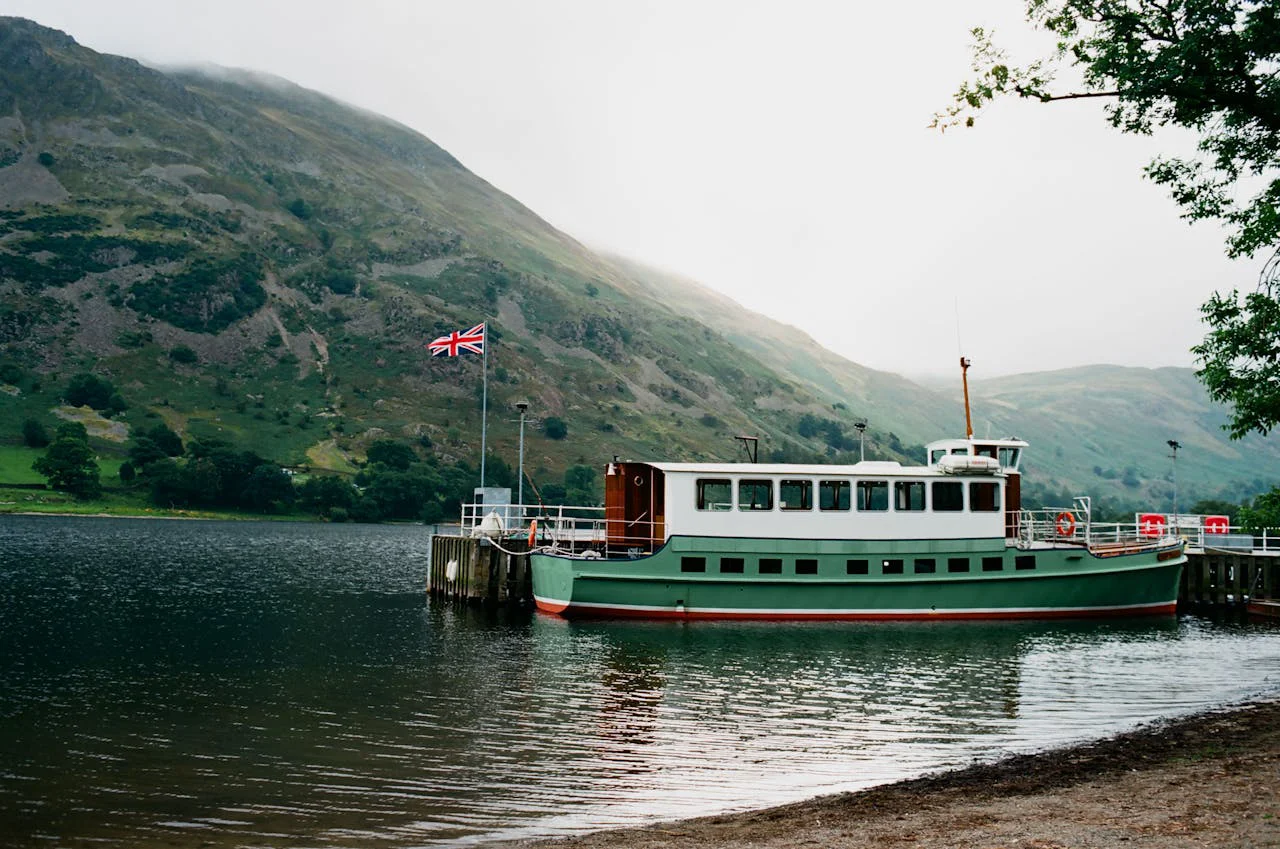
777, 152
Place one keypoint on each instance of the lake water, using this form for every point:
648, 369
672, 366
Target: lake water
228, 684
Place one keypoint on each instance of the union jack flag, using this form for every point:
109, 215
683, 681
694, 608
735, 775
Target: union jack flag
458, 341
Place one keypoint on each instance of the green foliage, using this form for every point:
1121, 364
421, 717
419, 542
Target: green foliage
325, 494
1216, 507
34, 434
554, 427
206, 297
268, 489
58, 223
1240, 361
71, 430
144, 451
1263, 512
1207, 66
301, 209
392, 454
70, 466
165, 439
183, 354
89, 390
127, 473
45, 158
72, 257
582, 485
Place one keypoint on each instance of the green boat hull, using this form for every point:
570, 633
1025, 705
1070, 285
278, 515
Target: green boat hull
699, 577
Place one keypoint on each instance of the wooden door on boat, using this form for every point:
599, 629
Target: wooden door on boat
633, 505
1012, 504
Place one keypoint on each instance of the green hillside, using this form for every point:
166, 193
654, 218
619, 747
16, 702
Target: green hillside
251, 261
1104, 430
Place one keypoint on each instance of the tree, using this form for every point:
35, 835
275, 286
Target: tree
70, 466
392, 454
1263, 512
1207, 66
33, 434
267, 489
555, 428
89, 390
144, 451
165, 439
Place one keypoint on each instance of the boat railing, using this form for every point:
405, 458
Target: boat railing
571, 528
1074, 526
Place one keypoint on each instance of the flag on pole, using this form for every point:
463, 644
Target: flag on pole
458, 341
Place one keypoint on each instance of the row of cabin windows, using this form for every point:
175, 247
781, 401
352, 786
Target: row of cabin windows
716, 494
921, 565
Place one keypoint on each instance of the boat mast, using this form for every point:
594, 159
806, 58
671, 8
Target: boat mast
964, 378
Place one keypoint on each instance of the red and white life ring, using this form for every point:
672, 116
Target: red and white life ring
1066, 524
533, 532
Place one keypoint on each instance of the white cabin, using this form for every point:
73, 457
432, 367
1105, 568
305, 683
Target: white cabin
951, 498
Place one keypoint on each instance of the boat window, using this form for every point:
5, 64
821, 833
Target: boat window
1009, 457
891, 567
1024, 561
693, 564
731, 564
985, 451
833, 495
957, 564
855, 567
806, 567
984, 497
948, 496
936, 454
960, 451
926, 565
908, 495
795, 495
770, 566
992, 564
873, 495
714, 494
755, 495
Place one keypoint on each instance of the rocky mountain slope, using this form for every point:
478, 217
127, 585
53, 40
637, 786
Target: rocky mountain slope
251, 260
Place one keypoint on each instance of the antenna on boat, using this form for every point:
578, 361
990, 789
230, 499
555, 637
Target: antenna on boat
964, 375
750, 444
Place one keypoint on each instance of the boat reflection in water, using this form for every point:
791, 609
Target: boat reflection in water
682, 720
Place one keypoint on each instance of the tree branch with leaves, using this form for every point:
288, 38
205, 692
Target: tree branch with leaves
1208, 66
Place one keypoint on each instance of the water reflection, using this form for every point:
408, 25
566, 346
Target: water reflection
229, 684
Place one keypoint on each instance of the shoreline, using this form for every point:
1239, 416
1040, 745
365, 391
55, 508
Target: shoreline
1209, 779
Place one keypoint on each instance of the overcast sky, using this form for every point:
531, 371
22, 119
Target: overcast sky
777, 152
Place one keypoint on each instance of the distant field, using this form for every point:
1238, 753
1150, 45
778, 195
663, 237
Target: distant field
15, 464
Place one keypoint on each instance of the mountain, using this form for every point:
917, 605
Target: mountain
250, 260
1105, 430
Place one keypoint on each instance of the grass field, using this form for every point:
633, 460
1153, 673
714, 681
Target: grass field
15, 464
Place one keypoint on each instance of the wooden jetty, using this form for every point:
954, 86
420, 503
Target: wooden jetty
475, 570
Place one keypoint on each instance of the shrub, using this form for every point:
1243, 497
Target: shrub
555, 428
34, 434
45, 159
89, 390
182, 354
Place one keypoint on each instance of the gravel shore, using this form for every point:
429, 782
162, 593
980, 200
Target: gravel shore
1208, 780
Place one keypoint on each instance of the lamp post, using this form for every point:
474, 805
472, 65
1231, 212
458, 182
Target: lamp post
1175, 445
861, 427
521, 406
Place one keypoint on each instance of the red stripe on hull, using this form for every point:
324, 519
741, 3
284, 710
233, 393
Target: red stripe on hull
568, 611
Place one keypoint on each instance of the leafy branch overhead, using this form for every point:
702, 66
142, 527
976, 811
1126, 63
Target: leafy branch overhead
1208, 66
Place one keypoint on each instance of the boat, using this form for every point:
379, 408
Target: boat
872, 540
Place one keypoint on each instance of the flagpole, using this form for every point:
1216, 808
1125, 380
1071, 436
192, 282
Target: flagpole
484, 403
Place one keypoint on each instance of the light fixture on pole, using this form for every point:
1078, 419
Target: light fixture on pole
522, 406
1175, 445
861, 427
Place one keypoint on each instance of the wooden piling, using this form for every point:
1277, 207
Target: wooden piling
475, 571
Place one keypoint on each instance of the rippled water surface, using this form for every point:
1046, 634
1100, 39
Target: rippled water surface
228, 684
